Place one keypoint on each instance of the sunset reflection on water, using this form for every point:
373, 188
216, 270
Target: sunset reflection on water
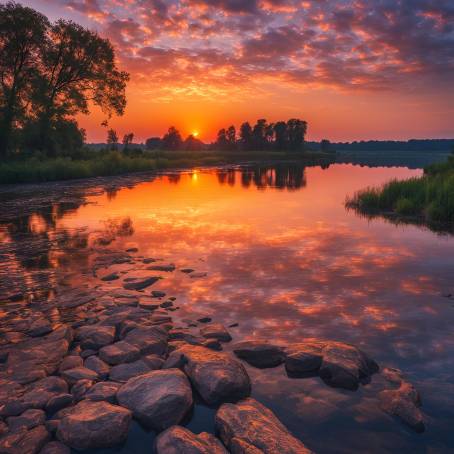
285, 260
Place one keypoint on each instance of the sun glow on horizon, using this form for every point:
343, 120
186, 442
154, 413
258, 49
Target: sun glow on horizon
195, 133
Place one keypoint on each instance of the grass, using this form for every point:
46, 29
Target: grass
429, 198
102, 163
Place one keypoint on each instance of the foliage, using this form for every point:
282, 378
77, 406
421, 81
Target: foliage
430, 197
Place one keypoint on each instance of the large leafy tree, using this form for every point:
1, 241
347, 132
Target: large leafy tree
78, 68
172, 139
22, 34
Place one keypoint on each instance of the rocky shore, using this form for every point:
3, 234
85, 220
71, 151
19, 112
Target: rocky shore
76, 369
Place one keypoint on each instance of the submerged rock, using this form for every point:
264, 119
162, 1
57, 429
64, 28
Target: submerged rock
403, 402
158, 399
140, 284
216, 331
250, 427
94, 425
260, 354
167, 267
179, 440
110, 277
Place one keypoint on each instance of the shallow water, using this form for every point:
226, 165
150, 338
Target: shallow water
285, 260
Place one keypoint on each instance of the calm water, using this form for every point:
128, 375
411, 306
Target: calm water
284, 260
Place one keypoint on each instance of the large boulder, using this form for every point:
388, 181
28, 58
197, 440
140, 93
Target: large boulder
216, 375
259, 354
178, 440
339, 364
158, 399
248, 427
91, 425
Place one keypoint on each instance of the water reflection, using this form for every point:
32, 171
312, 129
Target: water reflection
284, 260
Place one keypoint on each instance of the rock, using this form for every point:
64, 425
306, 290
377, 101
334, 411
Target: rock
79, 373
55, 447
393, 375
148, 305
84, 354
70, 362
403, 403
80, 388
91, 425
27, 420
132, 249
119, 352
166, 304
3, 429
167, 268
40, 327
110, 277
148, 340
158, 294
148, 260
96, 336
97, 365
123, 372
216, 331
25, 441
179, 440
249, 427
339, 364
187, 270
233, 325
204, 320
259, 353
158, 399
140, 284
103, 391
216, 376
198, 275
57, 402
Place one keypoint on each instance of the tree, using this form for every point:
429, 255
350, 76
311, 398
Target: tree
281, 135
246, 136
221, 140
22, 33
325, 145
153, 143
193, 144
127, 140
78, 67
112, 139
231, 137
258, 134
172, 139
296, 133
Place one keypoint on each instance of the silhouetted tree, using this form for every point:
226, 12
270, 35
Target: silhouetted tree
192, 144
172, 139
22, 34
152, 143
281, 135
258, 134
325, 145
296, 133
112, 139
246, 136
231, 137
222, 142
127, 140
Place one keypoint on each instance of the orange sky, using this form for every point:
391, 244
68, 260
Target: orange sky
353, 69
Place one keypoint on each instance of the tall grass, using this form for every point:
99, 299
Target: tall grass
104, 163
430, 197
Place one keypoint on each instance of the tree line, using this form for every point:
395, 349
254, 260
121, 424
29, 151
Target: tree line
50, 72
282, 135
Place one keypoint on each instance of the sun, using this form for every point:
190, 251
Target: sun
195, 133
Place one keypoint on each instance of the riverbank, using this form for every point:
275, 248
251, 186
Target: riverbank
115, 163
427, 199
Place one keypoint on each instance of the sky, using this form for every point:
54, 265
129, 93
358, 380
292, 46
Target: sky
354, 69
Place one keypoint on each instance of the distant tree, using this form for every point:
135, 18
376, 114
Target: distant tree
231, 137
192, 144
152, 143
221, 140
112, 139
172, 139
269, 133
78, 67
22, 34
325, 145
281, 135
296, 133
246, 136
127, 140
258, 134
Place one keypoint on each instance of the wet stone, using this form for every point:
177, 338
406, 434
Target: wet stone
70, 362
95, 337
110, 277
167, 267
80, 388
25, 441
158, 399
158, 294
55, 447
91, 425
260, 354
178, 440
79, 373
216, 331
27, 420
57, 402
39, 328
124, 372
119, 352
140, 284
106, 391
97, 365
